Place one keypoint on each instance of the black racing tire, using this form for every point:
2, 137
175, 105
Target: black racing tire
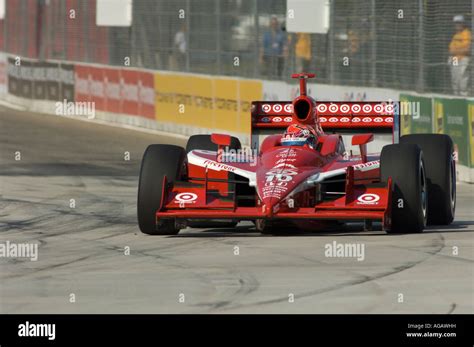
409, 209
438, 150
158, 161
204, 142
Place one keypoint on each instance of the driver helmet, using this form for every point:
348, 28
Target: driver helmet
298, 135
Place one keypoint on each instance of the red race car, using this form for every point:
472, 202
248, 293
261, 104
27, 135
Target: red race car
299, 172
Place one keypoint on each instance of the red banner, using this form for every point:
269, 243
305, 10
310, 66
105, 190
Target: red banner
116, 90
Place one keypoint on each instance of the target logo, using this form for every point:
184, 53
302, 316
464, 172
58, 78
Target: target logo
266, 108
289, 108
322, 108
265, 120
333, 108
277, 119
367, 108
389, 109
345, 108
345, 119
185, 197
277, 108
356, 108
368, 199
378, 120
288, 119
323, 119
389, 120
378, 108
333, 120
367, 120
355, 120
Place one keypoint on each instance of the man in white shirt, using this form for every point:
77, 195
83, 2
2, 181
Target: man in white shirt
180, 47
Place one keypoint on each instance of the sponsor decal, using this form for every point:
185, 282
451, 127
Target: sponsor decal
266, 108
389, 109
277, 108
289, 108
355, 120
367, 108
322, 108
277, 119
333, 120
288, 119
344, 119
367, 166
323, 119
265, 119
366, 119
333, 108
368, 199
378, 119
378, 108
186, 197
345, 108
218, 166
389, 119
356, 108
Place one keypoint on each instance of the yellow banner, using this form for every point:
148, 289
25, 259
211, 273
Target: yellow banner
206, 101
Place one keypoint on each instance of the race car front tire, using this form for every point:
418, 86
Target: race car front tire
438, 150
158, 161
409, 203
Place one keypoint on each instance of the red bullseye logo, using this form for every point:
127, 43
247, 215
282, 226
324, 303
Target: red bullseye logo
356, 108
186, 197
277, 108
367, 108
266, 108
333, 108
322, 108
345, 108
368, 198
289, 108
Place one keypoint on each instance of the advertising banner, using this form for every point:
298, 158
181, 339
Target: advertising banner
451, 118
470, 107
116, 90
40, 80
206, 101
416, 114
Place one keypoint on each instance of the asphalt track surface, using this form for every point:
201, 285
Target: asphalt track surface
82, 249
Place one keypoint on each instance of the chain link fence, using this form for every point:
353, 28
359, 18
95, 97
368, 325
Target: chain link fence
399, 44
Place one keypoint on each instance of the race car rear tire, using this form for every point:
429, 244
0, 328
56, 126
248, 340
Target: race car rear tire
440, 168
158, 161
409, 204
204, 142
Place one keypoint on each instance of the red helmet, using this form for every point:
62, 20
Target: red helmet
298, 135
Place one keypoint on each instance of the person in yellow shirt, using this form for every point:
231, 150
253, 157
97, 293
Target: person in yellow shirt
460, 51
302, 52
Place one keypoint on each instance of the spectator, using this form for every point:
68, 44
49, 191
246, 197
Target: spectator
180, 48
274, 48
302, 52
459, 50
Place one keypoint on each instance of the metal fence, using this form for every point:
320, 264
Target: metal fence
399, 44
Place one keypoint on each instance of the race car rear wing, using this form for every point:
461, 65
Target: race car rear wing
272, 117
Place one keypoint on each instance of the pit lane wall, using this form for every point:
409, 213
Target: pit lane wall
186, 104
